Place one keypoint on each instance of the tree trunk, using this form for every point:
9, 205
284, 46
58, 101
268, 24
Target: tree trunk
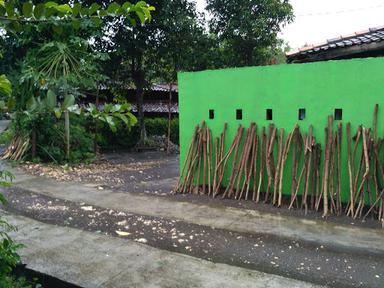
97, 102
67, 136
169, 118
33, 142
139, 82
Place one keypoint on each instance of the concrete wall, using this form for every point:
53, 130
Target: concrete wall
355, 86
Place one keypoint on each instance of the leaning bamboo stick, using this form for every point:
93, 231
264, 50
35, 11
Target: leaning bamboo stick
269, 158
187, 161
220, 162
250, 161
255, 153
252, 168
223, 162
199, 158
331, 181
209, 147
235, 166
284, 159
242, 167
294, 195
262, 163
366, 173
295, 161
308, 162
326, 169
278, 166
338, 184
205, 136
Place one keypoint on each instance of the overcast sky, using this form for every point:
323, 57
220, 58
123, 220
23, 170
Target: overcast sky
318, 20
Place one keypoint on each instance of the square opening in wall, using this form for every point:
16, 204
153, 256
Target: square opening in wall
239, 114
338, 114
211, 114
301, 114
269, 115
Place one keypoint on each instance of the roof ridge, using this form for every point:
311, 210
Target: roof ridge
335, 39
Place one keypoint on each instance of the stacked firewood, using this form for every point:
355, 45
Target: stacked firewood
257, 167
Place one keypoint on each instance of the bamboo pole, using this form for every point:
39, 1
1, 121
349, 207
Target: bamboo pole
262, 163
308, 161
338, 184
278, 166
210, 155
199, 157
187, 159
284, 159
255, 167
205, 143
326, 164
235, 163
269, 158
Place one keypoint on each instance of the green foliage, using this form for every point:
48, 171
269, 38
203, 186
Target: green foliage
159, 126
171, 42
9, 257
12, 18
111, 114
50, 137
6, 136
247, 29
125, 138
13, 282
5, 86
51, 144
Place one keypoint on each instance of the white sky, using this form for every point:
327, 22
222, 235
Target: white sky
318, 20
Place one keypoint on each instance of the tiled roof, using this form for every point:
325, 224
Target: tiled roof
157, 108
164, 87
357, 38
155, 87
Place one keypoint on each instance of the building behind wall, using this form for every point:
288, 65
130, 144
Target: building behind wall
285, 95
361, 44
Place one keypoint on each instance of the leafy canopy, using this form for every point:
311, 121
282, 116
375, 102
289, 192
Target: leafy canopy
247, 29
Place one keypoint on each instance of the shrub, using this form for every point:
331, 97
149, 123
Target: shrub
51, 144
159, 127
50, 137
122, 138
6, 136
9, 256
127, 139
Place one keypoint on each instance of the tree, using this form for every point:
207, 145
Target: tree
142, 53
247, 29
52, 41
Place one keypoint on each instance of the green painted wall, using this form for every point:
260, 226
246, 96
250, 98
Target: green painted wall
353, 85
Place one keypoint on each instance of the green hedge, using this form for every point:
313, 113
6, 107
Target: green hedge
127, 139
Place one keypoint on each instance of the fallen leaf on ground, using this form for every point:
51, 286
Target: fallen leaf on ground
122, 233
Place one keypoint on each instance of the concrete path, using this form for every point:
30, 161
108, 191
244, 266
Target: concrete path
93, 260
4, 124
309, 250
240, 220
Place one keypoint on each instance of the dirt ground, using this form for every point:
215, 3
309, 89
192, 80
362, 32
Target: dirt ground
156, 173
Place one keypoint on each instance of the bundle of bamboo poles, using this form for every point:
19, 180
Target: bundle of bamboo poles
257, 168
16, 149
197, 169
